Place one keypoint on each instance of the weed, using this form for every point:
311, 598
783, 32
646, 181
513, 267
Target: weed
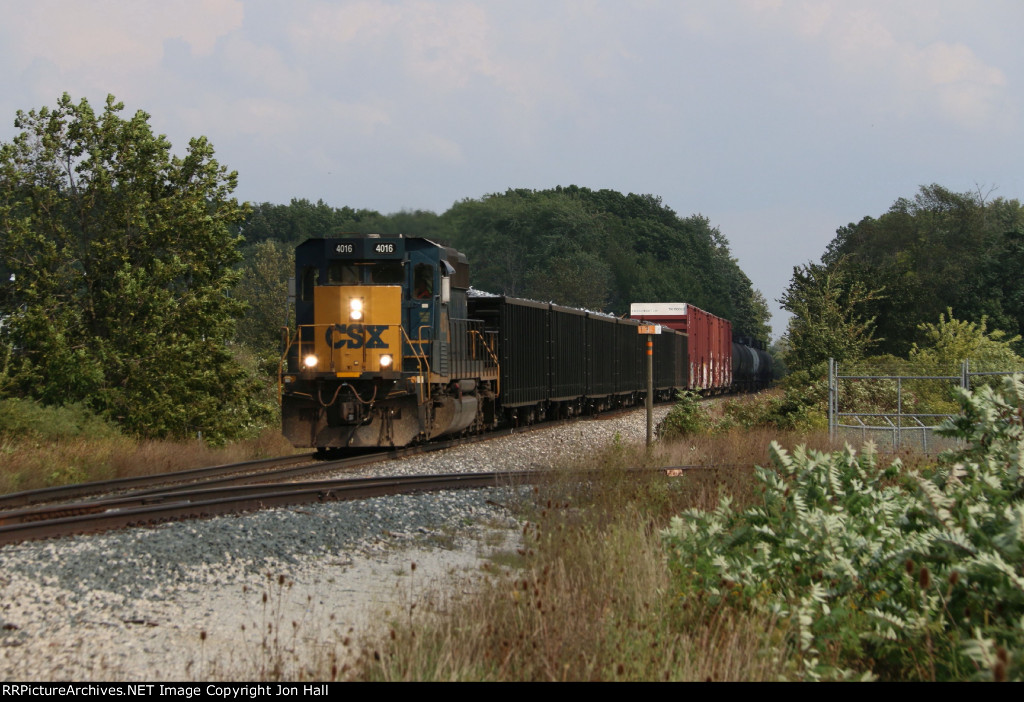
902, 573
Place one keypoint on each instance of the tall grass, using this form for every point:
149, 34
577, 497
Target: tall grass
47, 446
591, 597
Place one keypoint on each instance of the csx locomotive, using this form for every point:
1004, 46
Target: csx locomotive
391, 348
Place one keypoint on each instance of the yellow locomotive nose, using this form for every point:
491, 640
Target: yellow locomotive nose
357, 329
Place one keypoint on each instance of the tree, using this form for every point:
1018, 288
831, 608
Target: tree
264, 290
828, 317
940, 250
117, 263
952, 341
602, 249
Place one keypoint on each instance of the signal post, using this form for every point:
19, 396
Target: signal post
649, 330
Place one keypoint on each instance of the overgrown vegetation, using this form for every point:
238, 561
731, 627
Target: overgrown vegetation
892, 572
587, 598
796, 406
883, 282
43, 446
822, 565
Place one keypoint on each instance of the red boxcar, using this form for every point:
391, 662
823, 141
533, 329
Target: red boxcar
710, 340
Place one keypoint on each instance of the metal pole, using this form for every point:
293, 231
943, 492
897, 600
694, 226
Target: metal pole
650, 390
899, 411
831, 400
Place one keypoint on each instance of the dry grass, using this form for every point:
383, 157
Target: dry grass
27, 464
592, 599
740, 448
590, 596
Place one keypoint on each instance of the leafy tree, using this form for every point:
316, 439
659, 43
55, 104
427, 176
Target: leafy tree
602, 249
829, 319
575, 246
117, 263
301, 219
952, 341
940, 250
264, 290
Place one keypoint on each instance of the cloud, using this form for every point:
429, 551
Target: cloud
445, 44
881, 50
113, 32
264, 67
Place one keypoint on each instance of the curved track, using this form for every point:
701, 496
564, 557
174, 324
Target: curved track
139, 510
234, 488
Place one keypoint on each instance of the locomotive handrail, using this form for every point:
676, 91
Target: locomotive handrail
280, 364
421, 360
497, 365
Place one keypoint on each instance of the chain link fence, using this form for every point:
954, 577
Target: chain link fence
897, 411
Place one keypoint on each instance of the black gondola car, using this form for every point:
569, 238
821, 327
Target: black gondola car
391, 347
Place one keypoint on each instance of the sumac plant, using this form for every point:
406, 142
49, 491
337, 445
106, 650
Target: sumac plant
880, 572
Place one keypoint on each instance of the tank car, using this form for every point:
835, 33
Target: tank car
383, 353
751, 365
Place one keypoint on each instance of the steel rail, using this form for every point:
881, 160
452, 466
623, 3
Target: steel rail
67, 492
196, 503
208, 502
247, 472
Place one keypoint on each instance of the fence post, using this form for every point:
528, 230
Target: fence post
832, 404
899, 411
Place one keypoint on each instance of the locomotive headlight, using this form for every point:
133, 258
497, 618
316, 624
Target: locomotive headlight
355, 307
310, 361
385, 360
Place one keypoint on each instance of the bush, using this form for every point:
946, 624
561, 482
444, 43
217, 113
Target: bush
29, 419
881, 571
688, 416
796, 407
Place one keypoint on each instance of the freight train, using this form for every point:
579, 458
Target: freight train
392, 347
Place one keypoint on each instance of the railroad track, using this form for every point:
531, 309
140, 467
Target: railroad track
149, 509
230, 488
196, 503
262, 470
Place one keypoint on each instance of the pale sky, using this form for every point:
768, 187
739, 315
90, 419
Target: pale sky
778, 120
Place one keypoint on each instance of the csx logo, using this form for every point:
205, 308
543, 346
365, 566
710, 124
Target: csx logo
355, 336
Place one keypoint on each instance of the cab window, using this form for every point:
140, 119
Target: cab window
309, 275
423, 281
342, 273
387, 273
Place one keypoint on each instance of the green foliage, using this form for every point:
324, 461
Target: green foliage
22, 418
263, 289
890, 572
603, 250
829, 319
797, 406
116, 268
942, 351
301, 219
940, 250
951, 341
688, 416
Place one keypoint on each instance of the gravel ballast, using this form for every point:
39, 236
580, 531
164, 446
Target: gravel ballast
194, 600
